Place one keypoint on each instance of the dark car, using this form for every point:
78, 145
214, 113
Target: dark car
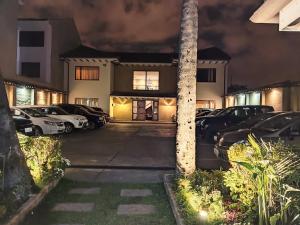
208, 126
284, 126
247, 124
94, 120
23, 125
94, 111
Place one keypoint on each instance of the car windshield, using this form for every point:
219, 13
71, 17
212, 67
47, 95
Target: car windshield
276, 123
225, 112
254, 120
33, 112
215, 112
90, 109
56, 111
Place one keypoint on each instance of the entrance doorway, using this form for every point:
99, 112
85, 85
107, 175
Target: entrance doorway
143, 110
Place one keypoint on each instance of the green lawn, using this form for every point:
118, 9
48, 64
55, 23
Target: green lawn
106, 202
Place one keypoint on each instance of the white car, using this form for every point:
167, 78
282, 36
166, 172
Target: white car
42, 123
71, 121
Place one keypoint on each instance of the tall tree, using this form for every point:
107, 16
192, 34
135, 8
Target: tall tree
17, 179
186, 89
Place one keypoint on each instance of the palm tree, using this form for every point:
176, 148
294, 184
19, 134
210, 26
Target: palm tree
16, 174
186, 93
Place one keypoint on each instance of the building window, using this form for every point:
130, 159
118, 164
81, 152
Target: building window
31, 39
206, 75
145, 80
42, 98
30, 69
56, 98
92, 102
86, 73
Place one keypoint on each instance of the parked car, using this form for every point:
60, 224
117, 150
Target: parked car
210, 125
42, 123
101, 113
94, 120
23, 125
71, 121
284, 126
200, 116
247, 124
98, 109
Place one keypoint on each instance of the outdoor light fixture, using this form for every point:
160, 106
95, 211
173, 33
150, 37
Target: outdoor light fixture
203, 216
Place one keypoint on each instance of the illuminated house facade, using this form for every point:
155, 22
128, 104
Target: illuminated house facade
283, 96
141, 86
38, 76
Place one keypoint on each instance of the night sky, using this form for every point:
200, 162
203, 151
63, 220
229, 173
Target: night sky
260, 53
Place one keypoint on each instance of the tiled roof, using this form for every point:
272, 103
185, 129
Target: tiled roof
88, 52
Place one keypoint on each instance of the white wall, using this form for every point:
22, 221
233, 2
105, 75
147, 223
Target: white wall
36, 54
100, 89
212, 91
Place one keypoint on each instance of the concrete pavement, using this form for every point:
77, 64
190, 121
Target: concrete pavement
132, 145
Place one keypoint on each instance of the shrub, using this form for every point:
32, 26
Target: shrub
43, 157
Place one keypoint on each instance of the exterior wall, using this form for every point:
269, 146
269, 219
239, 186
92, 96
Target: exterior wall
167, 109
91, 88
274, 97
122, 109
295, 98
36, 54
8, 38
213, 91
123, 79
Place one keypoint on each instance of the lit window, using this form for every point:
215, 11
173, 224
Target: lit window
92, 102
86, 73
42, 98
145, 80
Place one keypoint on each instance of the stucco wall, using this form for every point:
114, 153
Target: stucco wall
274, 97
212, 91
91, 88
8, 38
167, 108
123, 82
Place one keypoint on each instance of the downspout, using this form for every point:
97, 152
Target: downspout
68, 81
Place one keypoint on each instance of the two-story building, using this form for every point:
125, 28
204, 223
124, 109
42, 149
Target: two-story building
140, 86
38, 76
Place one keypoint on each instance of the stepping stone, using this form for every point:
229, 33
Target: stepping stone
136, 192
135, 209
84, 191
74, 207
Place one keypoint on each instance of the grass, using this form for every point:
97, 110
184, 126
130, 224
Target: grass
106, 202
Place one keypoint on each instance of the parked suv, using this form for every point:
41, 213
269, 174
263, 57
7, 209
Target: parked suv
71, 121
207, 127
94, 120
101, 113
285, 126
42, 123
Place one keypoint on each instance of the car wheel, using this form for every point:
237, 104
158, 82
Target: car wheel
38, 131
92, 125
69, 128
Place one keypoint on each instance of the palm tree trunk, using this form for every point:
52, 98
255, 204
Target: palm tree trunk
16, 174
186, 89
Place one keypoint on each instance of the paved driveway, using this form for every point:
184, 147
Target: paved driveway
130, 145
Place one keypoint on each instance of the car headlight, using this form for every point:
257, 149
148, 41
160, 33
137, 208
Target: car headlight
49, 123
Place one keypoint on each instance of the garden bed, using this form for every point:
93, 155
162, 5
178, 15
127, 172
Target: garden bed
261, 188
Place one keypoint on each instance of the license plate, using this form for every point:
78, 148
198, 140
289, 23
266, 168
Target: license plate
28, 129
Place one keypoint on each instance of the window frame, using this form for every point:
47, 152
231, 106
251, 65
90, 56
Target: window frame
214, 75
80, 67
146, 75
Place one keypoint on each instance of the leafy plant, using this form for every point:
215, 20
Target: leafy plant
43, 157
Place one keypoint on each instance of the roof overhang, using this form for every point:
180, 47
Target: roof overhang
286, 13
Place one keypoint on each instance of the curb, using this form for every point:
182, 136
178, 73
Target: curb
172, 199
31, 204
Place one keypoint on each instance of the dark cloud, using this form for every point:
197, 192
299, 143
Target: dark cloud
260, 53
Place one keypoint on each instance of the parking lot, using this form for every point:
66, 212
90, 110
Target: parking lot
131, 145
